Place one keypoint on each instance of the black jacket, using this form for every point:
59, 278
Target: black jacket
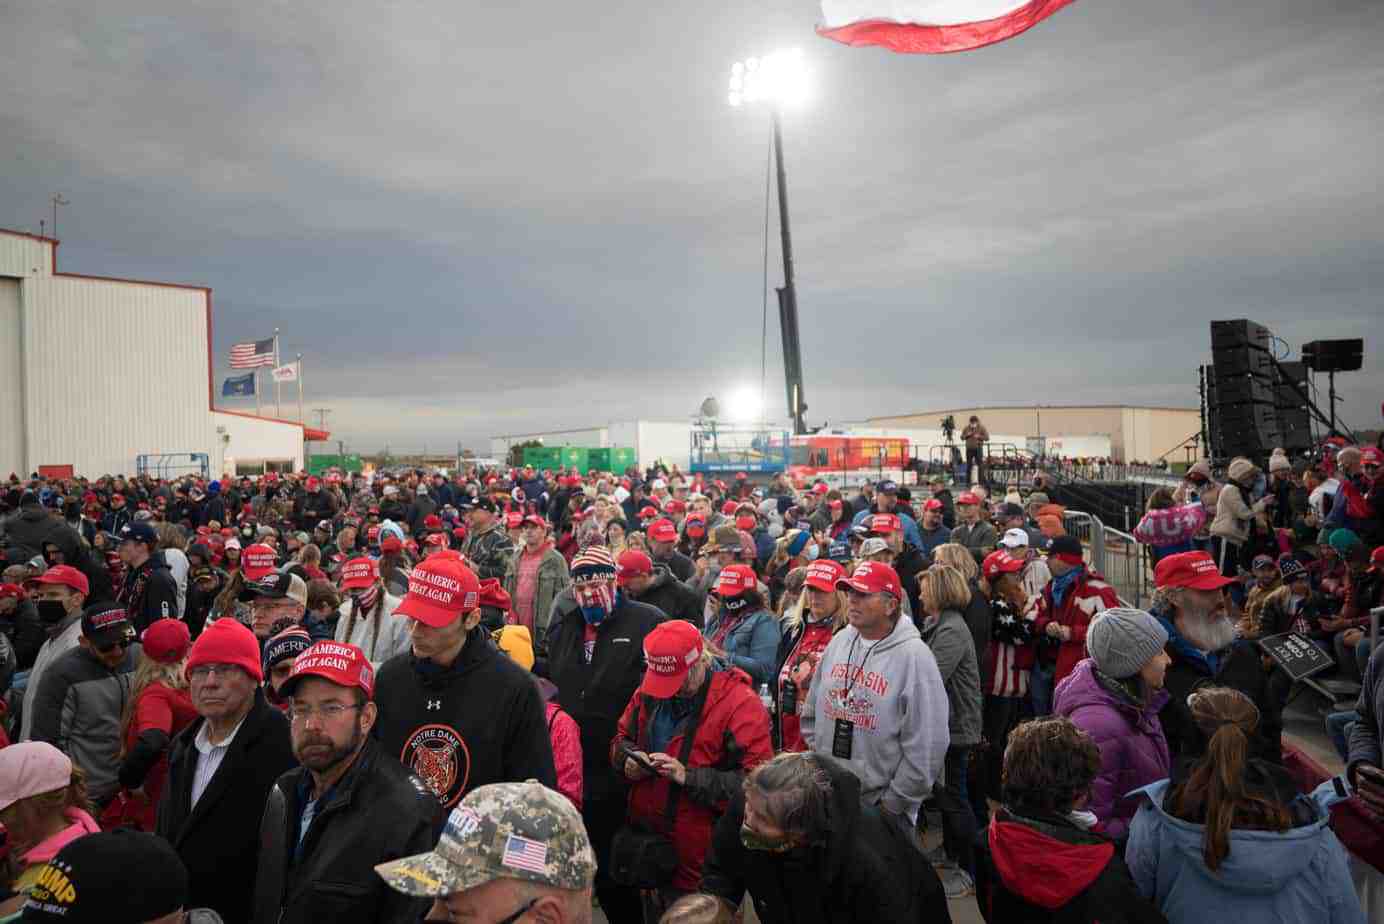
869, 869
377, 812
596, 694
26, 531
1057, 873
310, 509
150, 593
678, 563
480, 721
672, 597
219, 839
25, 632
909, 564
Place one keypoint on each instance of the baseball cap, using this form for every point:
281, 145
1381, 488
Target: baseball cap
519, 831
873, 577
440, 589
484, 503
1262, 561
110, 877
106, 624
1377, 557
167, 641
933, 504
873, 546
887, 487
1011, 510
257, 561
534, 519
670, 650
138, 532
648, 512
359, 573
30, 768
277, 586
632, 563
885, 523
340, 663
663, 531
735, 580
1015, 538
1000, 562
1196, 570
11, 590
514, 520
824, 574
820, 488
66, 575
968, 497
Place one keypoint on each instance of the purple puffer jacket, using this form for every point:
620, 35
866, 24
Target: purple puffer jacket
1133, 751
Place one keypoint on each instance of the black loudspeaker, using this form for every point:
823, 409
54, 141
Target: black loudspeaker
1331, 355
1241, 334
1294, 419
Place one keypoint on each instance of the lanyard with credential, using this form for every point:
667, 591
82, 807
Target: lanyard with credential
843, 736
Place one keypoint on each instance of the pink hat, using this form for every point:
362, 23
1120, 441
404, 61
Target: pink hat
31, 768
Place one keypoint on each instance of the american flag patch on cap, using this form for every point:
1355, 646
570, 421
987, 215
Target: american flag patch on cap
522, 853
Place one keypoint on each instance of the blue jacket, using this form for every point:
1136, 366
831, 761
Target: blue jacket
1267, 878
752, 645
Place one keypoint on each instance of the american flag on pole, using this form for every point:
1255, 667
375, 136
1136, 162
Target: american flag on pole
931, 26
253, 354
522, 853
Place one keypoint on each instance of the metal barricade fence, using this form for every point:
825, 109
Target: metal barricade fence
1117, 555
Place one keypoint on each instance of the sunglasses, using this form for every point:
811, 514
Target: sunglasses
122, 644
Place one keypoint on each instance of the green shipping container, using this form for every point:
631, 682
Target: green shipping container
574, 457
598, 460
541, 457
318, 464
621, 458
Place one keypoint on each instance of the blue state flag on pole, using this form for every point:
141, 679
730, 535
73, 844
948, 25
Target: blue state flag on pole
238, 386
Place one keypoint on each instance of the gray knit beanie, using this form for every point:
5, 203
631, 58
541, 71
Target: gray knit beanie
1121, 640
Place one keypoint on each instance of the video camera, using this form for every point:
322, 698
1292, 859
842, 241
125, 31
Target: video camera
949, 427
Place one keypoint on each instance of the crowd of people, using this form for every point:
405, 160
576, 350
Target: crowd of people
510, 695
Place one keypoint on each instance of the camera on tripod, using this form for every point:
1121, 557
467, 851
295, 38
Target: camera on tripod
949, 427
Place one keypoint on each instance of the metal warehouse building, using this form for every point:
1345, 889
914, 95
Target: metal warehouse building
101, 375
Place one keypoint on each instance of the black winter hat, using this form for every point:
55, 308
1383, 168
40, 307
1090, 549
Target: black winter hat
116, 877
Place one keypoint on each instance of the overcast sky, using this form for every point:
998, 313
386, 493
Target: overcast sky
476, 219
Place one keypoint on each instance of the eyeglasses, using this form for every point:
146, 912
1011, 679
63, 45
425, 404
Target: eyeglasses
528, 906
329, 712
122, 644
204, 671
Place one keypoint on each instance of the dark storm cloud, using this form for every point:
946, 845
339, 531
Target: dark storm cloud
479, 220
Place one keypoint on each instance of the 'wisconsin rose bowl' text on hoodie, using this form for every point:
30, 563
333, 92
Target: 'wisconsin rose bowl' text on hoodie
892, 693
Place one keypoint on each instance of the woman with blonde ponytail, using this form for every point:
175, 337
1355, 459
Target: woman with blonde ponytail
1234, 838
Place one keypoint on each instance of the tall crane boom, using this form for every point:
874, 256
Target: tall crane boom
788, 301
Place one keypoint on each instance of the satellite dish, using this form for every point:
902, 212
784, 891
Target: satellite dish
710, 408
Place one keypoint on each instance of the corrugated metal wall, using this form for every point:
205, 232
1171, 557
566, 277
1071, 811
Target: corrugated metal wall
24, 256
11, 390
115, 370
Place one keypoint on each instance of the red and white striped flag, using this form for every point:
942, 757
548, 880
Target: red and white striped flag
252, 354
931, 26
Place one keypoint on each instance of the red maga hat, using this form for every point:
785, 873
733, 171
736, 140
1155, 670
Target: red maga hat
340, 663
873, 577
359, 573
824, 574
440, 589
1196, 570
670, 650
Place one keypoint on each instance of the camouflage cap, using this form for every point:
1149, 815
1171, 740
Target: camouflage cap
501, 831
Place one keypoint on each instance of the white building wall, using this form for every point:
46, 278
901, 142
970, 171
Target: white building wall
114, 370
21, 255
252, 441
11, 381
664, 440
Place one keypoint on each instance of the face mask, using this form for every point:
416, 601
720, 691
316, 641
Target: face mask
811, 552
596, 599
51, 611
753, 840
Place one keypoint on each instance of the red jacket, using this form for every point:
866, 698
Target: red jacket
1088, 596
732, 738
566, 738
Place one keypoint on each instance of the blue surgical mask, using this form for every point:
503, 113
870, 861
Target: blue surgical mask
811, 552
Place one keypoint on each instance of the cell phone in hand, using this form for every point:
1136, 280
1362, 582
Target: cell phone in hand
639, 759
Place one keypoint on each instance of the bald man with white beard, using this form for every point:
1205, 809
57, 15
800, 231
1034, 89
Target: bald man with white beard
1191, 603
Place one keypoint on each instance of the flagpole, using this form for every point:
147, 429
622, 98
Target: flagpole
258, 413
300, 387
278, 386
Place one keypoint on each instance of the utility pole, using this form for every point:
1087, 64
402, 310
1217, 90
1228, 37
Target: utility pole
57, 200
321, 413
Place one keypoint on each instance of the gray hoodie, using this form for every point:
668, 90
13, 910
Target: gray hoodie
898, 706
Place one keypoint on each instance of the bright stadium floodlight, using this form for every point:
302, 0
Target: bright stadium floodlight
743, 405
779, 79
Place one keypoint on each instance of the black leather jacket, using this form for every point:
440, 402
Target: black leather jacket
377, 812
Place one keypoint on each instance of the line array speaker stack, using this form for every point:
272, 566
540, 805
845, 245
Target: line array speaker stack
1245, 396
1293, 397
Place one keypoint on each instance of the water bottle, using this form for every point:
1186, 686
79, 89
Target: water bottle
766, 698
